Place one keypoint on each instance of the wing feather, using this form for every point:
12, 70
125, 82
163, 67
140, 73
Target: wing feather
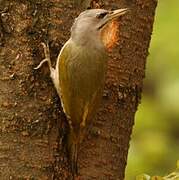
81, 81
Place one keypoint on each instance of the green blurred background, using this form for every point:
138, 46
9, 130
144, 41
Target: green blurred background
154, 148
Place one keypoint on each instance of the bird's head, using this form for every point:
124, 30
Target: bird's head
90, 24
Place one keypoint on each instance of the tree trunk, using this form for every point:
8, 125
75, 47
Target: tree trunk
32, 124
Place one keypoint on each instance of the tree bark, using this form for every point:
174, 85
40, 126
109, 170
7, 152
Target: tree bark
32, 124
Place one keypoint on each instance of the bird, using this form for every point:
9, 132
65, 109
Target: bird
79, 75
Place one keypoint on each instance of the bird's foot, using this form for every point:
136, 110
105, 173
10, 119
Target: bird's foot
47, 57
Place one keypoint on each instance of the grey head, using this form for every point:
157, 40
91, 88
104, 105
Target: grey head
87, 27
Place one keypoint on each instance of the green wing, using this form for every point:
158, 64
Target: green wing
81, 80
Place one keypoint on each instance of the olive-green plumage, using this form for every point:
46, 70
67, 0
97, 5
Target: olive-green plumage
80, 73
81, 79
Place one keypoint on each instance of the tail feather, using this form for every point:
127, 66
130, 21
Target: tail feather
74, 159
72, 148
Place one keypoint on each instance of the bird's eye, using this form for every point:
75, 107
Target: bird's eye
101, 15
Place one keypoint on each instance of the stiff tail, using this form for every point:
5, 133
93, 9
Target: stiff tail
72, 148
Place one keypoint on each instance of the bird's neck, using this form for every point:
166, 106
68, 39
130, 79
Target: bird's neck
88, 39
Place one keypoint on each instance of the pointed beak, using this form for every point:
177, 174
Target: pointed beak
117, 13
112, 15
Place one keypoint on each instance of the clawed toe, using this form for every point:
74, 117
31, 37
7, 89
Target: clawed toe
47, 57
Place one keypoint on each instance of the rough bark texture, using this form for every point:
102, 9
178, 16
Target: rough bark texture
32, 124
